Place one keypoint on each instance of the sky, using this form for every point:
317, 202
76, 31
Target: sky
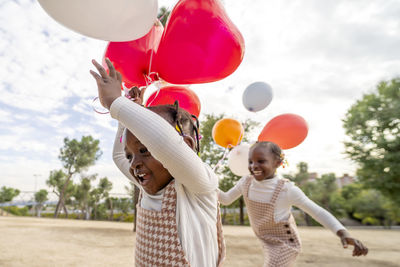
319, 57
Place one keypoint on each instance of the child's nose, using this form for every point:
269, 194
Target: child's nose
136, 163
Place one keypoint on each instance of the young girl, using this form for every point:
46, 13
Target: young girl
178, 222
269, 199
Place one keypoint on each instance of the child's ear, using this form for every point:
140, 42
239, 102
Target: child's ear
278, 163
190, 142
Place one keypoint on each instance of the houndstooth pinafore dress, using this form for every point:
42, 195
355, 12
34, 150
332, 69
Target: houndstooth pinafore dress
157, 240
280, 240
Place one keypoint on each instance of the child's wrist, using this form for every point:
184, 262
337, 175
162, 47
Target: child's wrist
342, 233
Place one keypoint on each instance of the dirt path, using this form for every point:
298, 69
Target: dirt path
26, 241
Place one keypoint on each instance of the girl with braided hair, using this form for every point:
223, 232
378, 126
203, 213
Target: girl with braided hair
269, 199
178, 222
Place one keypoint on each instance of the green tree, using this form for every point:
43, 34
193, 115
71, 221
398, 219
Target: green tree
325, 187
373, 125
163, 15
57, 180
101, 192
134, 192
369, 206
302, 175
82, 195
76, 156
40, 198
7, 194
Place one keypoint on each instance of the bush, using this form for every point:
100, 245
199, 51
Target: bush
17, 211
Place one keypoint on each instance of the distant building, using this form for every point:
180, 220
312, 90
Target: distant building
313, 176
345, 180
340, 181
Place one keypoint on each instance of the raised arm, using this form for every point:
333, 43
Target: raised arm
226, 198
165, 144
300, 200
160, 138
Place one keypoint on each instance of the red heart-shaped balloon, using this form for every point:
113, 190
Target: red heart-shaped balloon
132, 59
200, 44
188, 100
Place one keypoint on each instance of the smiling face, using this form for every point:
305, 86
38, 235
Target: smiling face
148, 171
262, 162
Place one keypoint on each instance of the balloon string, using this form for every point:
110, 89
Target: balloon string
226, 152
99, 112
154, 98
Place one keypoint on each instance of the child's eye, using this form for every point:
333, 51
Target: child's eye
129, 157
143, 150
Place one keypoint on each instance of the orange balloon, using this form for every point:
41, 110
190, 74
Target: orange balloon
227, 132
286, 130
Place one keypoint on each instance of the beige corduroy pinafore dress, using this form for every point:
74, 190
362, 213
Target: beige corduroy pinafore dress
280, 240
157, 240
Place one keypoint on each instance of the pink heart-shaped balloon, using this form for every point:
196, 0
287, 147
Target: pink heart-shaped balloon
200, 44
133, 58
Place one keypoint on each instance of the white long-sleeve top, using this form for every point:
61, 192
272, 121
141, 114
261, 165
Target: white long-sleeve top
291, 195
195, 183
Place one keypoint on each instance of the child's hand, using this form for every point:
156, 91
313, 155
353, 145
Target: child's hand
359, 248
108, 85
136, 94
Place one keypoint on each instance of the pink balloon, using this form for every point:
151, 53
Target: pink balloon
200, 44
188, 100
132, 59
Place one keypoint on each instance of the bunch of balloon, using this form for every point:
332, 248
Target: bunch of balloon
187, 99
134, 59
238, 160
257, 96
117, 20
286, 130
200, 44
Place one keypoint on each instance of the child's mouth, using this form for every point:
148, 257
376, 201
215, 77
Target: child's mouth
257, 173
143, 178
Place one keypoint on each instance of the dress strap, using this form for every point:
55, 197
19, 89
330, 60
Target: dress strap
278, 189
246, 186
169, 198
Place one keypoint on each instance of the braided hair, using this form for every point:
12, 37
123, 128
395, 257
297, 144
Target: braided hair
272, 147
185, 123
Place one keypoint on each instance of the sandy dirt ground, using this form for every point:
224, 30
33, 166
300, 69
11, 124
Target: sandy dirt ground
26, 241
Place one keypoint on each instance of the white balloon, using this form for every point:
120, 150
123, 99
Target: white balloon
257, 96
110, 20
238, 159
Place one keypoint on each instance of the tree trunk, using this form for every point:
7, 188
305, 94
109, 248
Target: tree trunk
135, 201
111, 210
87, 213
241, 204
39, 211
65, 210
95, 211
223, 215
308, 219
61, 198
